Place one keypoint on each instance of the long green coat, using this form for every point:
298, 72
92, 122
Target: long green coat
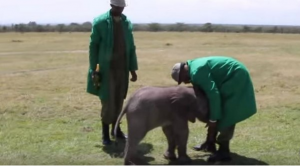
100, 51
228, 87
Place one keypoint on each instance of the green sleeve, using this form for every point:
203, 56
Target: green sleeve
202, 78
94, 45
132, 58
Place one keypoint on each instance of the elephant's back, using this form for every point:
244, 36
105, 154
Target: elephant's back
152, 106
153, 92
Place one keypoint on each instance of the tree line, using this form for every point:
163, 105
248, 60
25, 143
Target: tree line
152, 27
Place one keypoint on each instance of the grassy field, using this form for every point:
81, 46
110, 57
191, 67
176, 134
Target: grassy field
46, 116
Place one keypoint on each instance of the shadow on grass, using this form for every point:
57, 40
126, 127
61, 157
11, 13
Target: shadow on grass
236, 160
117, 151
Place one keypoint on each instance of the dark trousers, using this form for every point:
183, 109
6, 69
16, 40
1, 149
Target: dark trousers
225, 135
112, 107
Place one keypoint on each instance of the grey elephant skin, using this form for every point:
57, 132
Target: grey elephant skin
168, 107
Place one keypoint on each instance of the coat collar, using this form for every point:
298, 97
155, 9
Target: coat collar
109, 17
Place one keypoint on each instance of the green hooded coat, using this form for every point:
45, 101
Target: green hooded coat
100, 51
228, 87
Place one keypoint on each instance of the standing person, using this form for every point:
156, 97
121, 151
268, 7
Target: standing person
112, 47
228, 86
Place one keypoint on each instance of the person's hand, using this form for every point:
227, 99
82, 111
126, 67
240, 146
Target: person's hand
133, 76
211, 131
206, 147
210, 143
96, 79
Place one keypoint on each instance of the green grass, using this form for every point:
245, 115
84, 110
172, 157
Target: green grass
46, 117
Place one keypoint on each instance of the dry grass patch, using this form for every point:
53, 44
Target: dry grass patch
46, 116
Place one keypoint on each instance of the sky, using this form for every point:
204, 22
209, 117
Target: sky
259, 12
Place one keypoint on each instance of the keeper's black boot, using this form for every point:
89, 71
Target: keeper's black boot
120, 134
223, 153
105, 134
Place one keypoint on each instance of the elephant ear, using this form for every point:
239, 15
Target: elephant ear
183, 104
190, 113
187, 114
202, 106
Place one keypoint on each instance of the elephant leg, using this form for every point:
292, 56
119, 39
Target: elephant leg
136, 132
181, 130
170, 152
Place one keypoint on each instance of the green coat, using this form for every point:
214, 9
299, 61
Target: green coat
100, 51
228, 87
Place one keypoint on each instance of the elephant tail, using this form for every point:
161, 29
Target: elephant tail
118, 121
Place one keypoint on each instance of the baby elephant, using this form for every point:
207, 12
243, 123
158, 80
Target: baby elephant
168, 107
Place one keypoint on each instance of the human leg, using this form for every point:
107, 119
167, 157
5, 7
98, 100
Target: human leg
223, 139
105, 125
119, 99
206, 146
108, 108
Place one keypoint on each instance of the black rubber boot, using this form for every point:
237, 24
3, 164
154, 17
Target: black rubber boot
120, 134
223, 153
105, 134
